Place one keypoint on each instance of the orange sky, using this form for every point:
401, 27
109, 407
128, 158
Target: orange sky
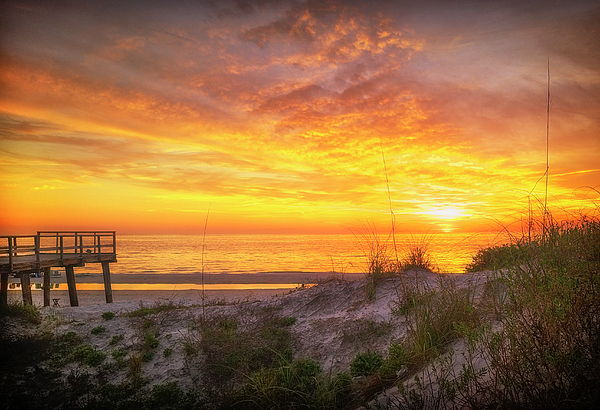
276, 114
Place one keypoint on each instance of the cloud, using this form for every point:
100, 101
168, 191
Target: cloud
297, 102
310, 95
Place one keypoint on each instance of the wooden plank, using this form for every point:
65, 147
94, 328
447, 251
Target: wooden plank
28, 263
47, 272
71, 284
4, 291
26, 289
10, 254
107, 284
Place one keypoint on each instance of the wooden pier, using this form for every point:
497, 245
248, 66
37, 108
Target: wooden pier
22, 255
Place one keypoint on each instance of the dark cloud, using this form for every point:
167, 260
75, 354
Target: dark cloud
575, 36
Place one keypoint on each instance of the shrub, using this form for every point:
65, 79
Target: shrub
157, 308
108, 315
150, 341
97, 330
118, 354
147, 356
30, 313
232, 352
287, 321
365, 364
417, 256
546, 354
88, 355
170, 396
116, 339
298, 384
398, 357
64, 347
497, 257
134, 366
189, 348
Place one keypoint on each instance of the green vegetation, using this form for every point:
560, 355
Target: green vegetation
119, 354
545, 295
116, 339
108, 315
385, 259
150, 341
366, 364
157, 308
86, 354
417, 255
31, 313
233, 352
298, 384
437, 317
147, 356
249, 365
97, 330
548, 350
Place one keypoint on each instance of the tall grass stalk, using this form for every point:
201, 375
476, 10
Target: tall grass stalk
393, 216
202, 261
547, 146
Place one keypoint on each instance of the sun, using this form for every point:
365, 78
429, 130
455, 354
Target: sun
445, 212
444, 216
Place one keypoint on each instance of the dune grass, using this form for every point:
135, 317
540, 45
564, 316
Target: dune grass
385, 258
28, 312
248, 364
159, 306
544, 353
548, 352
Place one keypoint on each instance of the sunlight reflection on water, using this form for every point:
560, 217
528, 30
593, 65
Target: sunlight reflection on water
450, 252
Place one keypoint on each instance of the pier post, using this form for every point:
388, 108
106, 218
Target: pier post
47, 272
4, 291
26, 289
107, 285
70, 273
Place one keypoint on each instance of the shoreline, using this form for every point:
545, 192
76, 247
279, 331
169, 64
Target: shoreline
215, 278
123, 298
178, 288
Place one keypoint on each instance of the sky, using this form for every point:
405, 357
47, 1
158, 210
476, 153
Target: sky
275, 116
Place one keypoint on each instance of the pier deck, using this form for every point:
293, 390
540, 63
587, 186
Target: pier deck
21, 255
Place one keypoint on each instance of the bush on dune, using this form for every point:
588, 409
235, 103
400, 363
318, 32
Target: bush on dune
547, 353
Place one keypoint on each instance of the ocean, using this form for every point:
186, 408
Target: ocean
247, 254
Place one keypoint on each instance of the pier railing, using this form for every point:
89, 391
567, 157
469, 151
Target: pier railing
57, 244
24, 254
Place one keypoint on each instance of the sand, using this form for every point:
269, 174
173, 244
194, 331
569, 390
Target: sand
180, 288
332, 324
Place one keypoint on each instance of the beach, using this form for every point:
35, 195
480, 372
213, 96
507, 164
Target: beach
333, 321
186, 289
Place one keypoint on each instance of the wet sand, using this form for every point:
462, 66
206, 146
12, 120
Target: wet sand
179, 288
